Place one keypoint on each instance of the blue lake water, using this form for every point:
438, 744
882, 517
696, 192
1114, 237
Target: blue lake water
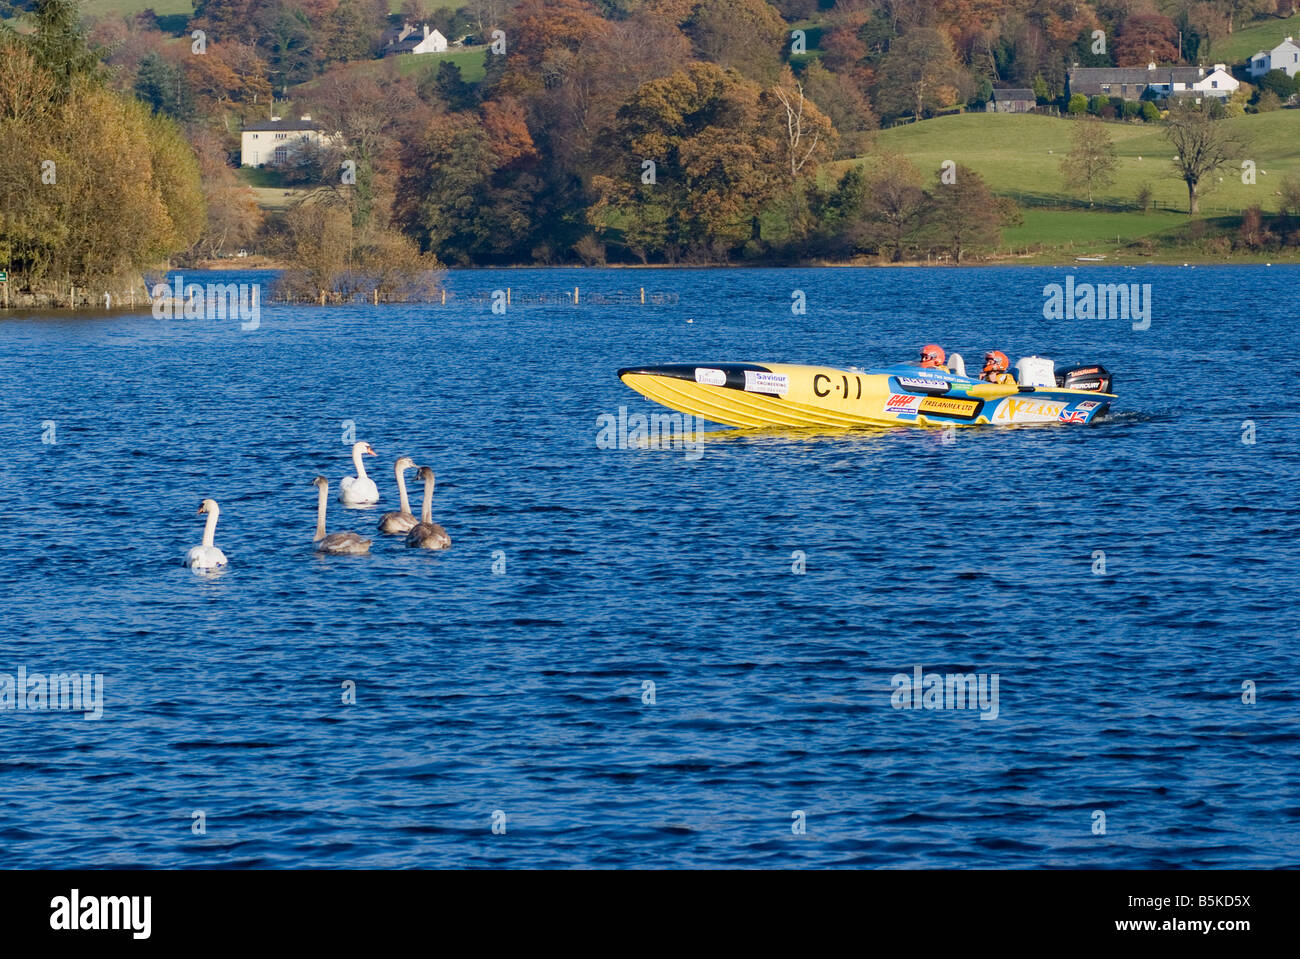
483, 694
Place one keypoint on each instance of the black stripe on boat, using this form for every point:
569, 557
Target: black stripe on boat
733, 373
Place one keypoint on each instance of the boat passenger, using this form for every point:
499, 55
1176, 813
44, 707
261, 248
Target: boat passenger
933, 357
997, 368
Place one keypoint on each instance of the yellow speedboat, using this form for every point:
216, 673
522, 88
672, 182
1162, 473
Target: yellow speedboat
791, 395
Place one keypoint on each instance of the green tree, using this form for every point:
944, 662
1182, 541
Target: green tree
164, 87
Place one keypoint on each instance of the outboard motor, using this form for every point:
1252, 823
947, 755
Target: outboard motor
1093, 377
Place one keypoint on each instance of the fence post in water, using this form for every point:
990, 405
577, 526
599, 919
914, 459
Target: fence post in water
643, 296
575, 296
444, 296
376, 296
507, 296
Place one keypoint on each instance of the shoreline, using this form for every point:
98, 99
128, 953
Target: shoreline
1011, 260
51, 304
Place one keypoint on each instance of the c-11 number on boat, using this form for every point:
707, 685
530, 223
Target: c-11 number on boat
819, 390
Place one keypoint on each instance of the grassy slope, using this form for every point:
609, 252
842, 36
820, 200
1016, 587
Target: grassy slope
102, 9
120, 8
1012, 153
1021, 153
1245, 43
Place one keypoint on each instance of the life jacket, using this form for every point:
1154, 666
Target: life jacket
1003, 377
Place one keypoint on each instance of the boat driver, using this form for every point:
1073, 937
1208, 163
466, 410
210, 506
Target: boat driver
997, 368
933, 357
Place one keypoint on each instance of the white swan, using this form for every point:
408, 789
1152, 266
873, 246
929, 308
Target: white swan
359, 490
207, 557
403, 520
427, 534
335, 544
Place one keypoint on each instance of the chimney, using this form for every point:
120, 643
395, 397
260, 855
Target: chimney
275, 119
426, 31
306, 118
1200, 71
1151, 65
1221, 66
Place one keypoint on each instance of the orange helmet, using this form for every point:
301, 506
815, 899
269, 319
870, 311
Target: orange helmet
932, 355
995, 361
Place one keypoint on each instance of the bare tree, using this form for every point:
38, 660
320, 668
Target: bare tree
1205, 146
796, 134
1090, 164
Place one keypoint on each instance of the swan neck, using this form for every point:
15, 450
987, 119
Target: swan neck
356, 461
210, 529
401, 491
426, 514
320, 514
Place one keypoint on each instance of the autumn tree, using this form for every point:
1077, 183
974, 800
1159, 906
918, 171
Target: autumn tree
963, 213
919, 73
846, 106
1091, 161
233, 216
692, 159
746, 35
468, 190
893, 213
1146, 38
1203, 146
92, 185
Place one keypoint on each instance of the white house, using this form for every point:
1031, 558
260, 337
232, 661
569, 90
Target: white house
407, 40
1284, 56
1132, 82
270, 143
1217, 83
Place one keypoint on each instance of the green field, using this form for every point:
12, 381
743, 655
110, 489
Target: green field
101, 9
470, 60
1019, 155
120, 8
1245, 43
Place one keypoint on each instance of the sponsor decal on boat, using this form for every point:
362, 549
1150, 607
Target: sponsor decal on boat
710, 377
902, 403
1093, 385
924, 383
1088, 405
1027, 411
1077, 416
949, 407
761, 381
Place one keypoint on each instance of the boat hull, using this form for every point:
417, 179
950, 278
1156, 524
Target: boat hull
791, 395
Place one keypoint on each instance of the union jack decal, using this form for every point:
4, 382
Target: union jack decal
1077, 416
